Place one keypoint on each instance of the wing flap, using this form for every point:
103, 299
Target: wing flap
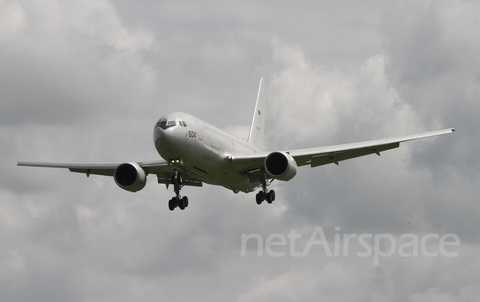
103, 172
336, 157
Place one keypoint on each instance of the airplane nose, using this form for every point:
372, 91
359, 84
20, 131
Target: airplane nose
165, 140
160, 137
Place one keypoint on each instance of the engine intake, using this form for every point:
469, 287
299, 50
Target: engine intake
130, 177
280, 165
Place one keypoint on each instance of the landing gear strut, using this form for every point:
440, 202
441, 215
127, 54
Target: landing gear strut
177, 200
265, 194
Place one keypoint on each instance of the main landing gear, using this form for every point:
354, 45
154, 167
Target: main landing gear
265, 194
177, 200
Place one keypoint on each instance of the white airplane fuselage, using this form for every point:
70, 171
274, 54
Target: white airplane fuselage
203, 149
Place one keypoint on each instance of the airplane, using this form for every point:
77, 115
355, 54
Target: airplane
196, 152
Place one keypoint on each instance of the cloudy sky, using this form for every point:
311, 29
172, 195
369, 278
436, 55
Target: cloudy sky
86, 81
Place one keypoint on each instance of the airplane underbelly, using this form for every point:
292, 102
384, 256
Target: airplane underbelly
212, 168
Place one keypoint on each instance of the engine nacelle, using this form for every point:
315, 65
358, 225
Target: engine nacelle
130, 177
280, 165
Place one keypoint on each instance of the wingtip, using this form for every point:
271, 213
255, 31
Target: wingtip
453, 129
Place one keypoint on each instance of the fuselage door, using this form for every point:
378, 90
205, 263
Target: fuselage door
199, 130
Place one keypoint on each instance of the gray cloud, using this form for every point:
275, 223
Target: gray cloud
86, 81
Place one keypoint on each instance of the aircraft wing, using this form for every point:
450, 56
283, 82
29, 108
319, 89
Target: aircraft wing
161, 168
332, 154
106, 169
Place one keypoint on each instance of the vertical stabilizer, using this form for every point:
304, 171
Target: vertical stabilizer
257, 130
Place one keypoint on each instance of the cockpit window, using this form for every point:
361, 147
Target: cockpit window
162, 124
167, 124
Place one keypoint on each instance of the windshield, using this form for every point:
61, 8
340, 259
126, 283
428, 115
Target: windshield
164, 124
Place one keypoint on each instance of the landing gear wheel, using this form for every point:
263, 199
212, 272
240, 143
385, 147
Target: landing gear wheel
260, 197
270, 196
172, 204
181, 204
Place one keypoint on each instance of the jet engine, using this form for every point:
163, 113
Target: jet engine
280, 165
130, 177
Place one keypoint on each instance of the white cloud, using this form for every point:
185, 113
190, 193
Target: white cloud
336, 106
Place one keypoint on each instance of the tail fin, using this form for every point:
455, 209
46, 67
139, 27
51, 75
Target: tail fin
257, 130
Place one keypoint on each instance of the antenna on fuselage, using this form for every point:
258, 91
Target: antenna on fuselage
256, 136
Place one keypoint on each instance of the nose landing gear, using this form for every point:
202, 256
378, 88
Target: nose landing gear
177, 200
